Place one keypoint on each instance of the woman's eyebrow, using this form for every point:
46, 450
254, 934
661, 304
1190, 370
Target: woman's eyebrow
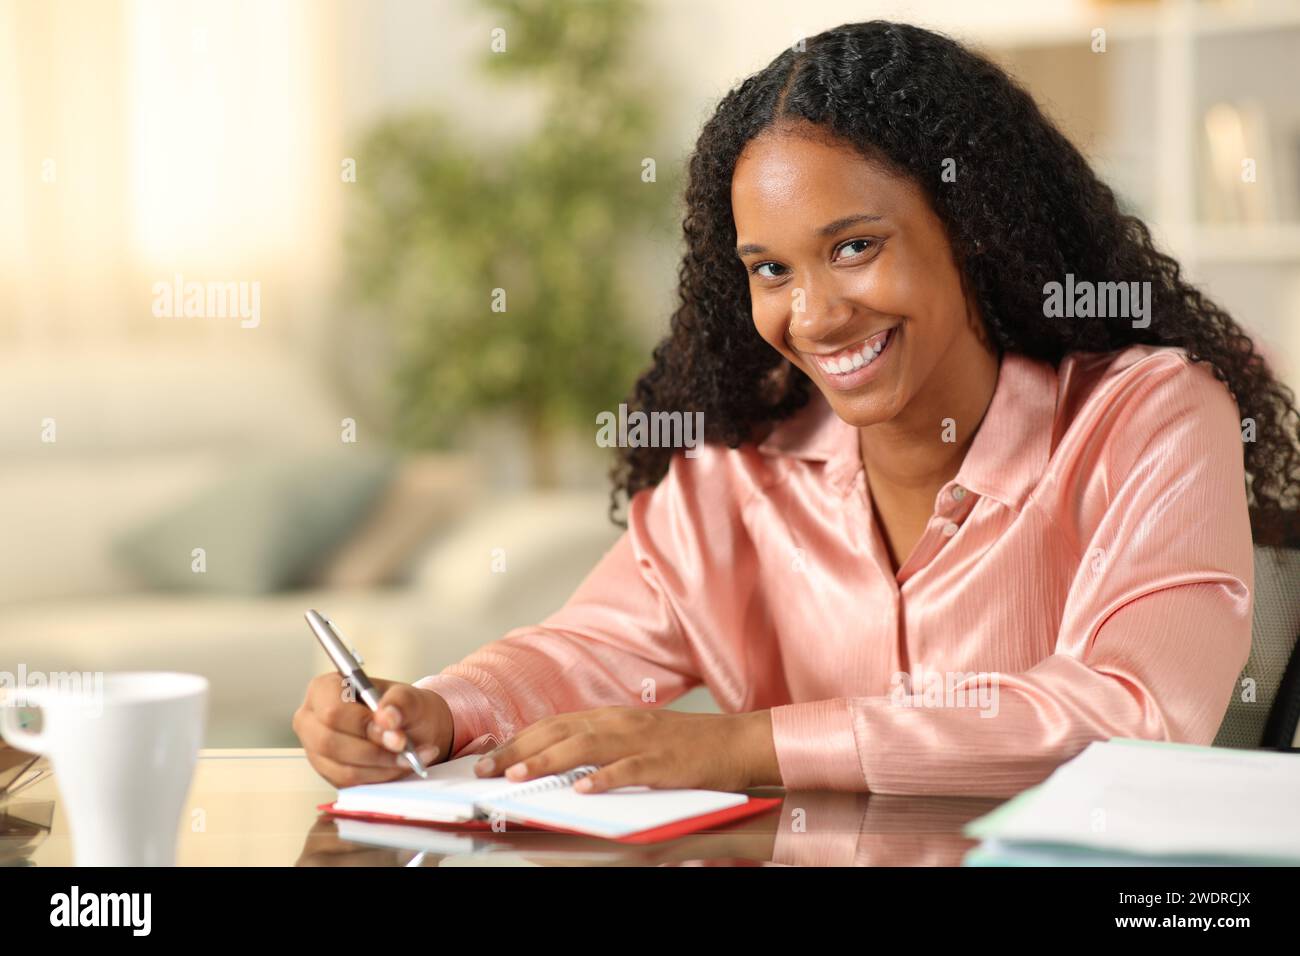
833, 227
827, 230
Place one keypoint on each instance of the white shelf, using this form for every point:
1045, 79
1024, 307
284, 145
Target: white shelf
1244, 19
1272, 243
1119, 23
1127, 23
1175, 29
1262, 242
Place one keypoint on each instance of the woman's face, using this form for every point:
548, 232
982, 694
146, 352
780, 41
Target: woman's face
851, 276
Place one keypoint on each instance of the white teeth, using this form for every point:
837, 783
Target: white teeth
857, 360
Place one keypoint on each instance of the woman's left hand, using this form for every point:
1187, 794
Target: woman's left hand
639, 747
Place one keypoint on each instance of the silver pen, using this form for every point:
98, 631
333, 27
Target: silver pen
349, 667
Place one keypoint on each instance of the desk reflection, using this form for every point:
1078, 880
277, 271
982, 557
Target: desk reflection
807, 829
253, 807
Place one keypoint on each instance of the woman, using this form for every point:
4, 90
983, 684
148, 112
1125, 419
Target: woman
976, 483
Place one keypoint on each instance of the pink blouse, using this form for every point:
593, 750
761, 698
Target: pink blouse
1088, 573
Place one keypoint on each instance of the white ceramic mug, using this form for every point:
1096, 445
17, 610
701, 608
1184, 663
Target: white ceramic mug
123, 748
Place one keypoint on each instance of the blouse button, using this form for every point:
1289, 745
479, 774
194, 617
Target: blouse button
958, 493
949, 529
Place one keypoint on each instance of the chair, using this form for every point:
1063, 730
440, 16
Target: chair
1270, 720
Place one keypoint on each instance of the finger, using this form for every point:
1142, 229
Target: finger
397, 704
394, 741
576, 722
545, 733
402, 711
634, 771
341, 748
335, 705
581, 748
344, 775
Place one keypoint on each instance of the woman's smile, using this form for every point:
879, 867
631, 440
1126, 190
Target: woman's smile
856, 365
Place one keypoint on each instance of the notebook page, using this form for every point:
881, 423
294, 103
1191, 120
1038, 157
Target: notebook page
447, 796
615, 813
1177, 800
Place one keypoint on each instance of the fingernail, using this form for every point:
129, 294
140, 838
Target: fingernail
428, 755
584, 784
517, 771
393, 739
486, 765
394, 715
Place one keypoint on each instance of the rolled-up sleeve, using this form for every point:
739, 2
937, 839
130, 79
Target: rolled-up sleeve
1156, 627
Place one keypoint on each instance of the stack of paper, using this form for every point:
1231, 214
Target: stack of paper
1144, 803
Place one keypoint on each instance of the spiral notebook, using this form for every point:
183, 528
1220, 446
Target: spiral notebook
454, 796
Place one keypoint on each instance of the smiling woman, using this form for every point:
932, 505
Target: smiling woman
894, 265
910, 466
884, 283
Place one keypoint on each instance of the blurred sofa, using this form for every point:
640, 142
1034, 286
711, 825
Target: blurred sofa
143, 433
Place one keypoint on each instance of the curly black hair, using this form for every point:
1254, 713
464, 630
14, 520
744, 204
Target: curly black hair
1025, 209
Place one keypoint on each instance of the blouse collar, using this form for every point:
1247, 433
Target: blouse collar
1005, 460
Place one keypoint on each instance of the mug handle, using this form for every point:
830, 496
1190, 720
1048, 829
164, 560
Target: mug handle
13, 732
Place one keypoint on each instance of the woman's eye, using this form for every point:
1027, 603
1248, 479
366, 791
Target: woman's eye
865, 243
763, 265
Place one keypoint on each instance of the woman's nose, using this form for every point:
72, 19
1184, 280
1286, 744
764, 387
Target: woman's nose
817, 313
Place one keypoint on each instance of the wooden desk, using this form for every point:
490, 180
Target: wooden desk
258, 808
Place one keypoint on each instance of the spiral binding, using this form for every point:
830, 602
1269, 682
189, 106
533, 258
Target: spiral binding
555, 781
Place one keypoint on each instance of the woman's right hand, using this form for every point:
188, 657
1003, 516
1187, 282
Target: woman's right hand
348, 745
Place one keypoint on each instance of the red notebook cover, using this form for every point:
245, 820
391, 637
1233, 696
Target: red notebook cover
669, 831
